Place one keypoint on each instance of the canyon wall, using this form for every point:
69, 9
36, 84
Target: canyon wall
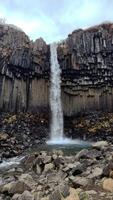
86, 60
24, 71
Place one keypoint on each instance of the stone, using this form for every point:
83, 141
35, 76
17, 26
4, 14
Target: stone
16, 187
100, 145
28, 180
79, 181
108, 169
91, 192
26, 195
96, 172
3, 136
108, 184
81, 154
55, 195
111, 174
47, 159
73, 195
38, 195
64, 190
48, 167
38, 169
84, 196
25, 182
16, 197
45, 198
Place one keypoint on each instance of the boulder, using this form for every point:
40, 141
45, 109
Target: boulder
25, 182
96, 172
79, 181
64, 190
55, 195
73, 195
38, 169
108, 169
81, 154
16, 197
100, 145
3, 136
16, 187
26, 195
48, 167
47, 159
28, 180
108, 184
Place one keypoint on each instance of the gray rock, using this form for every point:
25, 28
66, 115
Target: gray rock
55, 195
48, 167
38, 169
81, 154
79, 181
100, 145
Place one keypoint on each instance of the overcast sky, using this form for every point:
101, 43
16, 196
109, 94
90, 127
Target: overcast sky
55, 19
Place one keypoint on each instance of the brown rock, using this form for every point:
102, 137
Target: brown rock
73, 195
108, 184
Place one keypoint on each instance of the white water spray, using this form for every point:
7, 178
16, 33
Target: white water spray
56, 135
55, 98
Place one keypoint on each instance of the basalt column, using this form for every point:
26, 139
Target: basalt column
86, 58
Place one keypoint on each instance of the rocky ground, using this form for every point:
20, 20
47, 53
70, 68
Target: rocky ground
22, 131
86, 175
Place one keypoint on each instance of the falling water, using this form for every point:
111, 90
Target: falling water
55, 97
56, 134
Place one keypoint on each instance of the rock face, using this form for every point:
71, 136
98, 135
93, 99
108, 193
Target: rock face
86, 61
85, 58
24, 69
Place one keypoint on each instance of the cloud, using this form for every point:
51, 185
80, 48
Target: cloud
55, 19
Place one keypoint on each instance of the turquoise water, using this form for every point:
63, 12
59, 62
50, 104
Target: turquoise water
67, 146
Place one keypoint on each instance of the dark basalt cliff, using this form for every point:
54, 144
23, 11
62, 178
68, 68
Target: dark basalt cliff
24, 69
86, 60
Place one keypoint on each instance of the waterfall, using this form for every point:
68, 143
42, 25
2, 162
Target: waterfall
55, 97
56, 134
